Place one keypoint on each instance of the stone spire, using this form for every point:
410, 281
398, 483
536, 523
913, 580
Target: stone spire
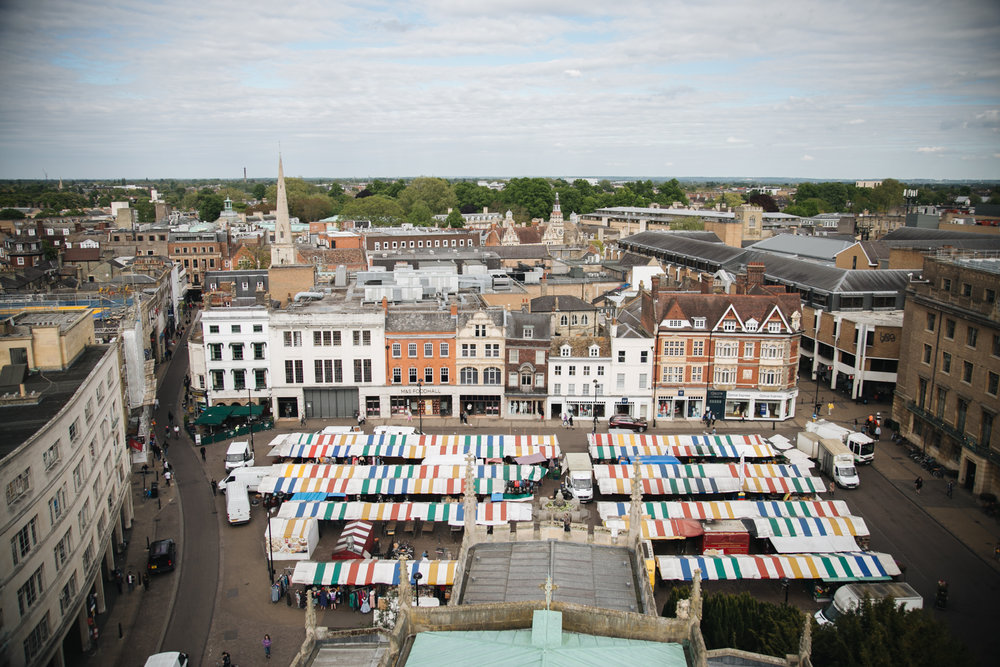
283, 249
557, 215
635, 507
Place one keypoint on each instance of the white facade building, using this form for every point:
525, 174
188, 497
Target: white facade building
579, 373
631, 382
236, 353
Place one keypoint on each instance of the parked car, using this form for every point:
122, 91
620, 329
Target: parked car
162, 556
630, 423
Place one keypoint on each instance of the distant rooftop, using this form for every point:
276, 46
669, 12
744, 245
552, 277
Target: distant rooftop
23, 322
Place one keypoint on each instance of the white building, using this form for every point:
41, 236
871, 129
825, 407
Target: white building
236, 345
579, 372
631, 371
66, 482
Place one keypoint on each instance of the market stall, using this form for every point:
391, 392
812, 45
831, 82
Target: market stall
291, 538
848, 566
730, 509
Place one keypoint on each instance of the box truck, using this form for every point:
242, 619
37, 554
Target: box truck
860, 445
833, 457
849, 597
578, 476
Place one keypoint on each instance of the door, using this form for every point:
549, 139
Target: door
331, 403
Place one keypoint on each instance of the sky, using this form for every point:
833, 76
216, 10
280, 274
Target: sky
850, 89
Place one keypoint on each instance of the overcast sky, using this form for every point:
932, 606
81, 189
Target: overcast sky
651, 88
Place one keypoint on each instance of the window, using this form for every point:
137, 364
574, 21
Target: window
946, 284
928, 352
428, 375
748, 350
565, 351
258, 328
526, 379
50, 456
57, 505
696, 373
24, 540
967, 372
67, 594
571, 370
326, 338
260, 378
491, 376
480, 331
699, 323
673, 348
413, 375
428, 350
774, 327
990, 296
595, 351
725, 375
697, 348
468, 376
600, 370
83, 517
971, 336
294, 373
564, 321
621, 356
17, 487
528, 332
557, 370
675, 324
620, 381
468, 350
673, 374
258, 350
771, 351
236, 327
492, 350
961, 412
78, 474
512, 355
942, 401
362, 370
992, 383
966, 289
557, 388
328, 370
397, 350
215, 351
218, 380
62, 550
292, 338
213, 328
770, 376
729, 325
411, 350
397, 375
366, 338
945, 362
28, 594
726, 349
644, 357
996, 345
443, 350
74, 430
643, 380
444, 375
949, 329
931, 317
237, 349
35, 641
586, 370
986, 429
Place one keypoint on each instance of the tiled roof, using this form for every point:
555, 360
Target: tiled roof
559, 303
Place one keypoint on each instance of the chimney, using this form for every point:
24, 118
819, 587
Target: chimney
486, 209
385, 305
741, 283
655, 282
454, 310
706, 284
755, 275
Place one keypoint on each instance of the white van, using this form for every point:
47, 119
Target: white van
168, 659
238, 503
251, 476
395, 430
239, 455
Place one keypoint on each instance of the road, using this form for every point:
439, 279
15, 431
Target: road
198, 558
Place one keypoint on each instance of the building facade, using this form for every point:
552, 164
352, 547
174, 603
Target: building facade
419, 365
948, 396
480, 350
237, 361
579, 369
528, 340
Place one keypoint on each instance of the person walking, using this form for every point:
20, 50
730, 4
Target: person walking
918, 484
215, 487
266, 642
951, 488
130, 579
177, 432
145, 580
833, 487
167, 476
202, 453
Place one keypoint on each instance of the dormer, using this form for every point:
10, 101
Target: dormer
565, 351
751, 324
595, 351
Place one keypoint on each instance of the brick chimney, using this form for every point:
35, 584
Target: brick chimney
454, 310
707, 284
755, 275
385, 305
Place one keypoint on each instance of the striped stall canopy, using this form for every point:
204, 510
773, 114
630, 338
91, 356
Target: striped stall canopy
714, 470
615, 452
852, 526
392, 487
671, 486
847, 566
783, 485
731, 509
486, 513
313, 445
326, 471
371, 571
661, 529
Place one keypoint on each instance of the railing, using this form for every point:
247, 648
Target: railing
967, 441
234, 432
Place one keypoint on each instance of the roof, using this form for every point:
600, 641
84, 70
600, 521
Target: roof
534, 251
560, 303
402, 321
81, 254
587, 574
517, 320
814, 247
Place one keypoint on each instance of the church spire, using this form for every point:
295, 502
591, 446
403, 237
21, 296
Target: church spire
557, 215
283, 249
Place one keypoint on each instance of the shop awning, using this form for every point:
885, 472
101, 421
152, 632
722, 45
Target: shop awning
315, 445
671, 486
814, 544
661, 529
810, 527
335, 471
713, 470
849, 566
372, 571
530, 459
486, 513
214, 415
246, 410
730, 509
392, 487
783, 485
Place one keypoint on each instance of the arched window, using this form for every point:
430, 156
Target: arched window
563, 321
491, 376
526, 379
584, 320
469, 375
576, 320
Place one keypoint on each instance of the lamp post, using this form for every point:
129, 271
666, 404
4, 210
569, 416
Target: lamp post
816, 410
416, 583
420, 405
594, 409
250, 416
270, 549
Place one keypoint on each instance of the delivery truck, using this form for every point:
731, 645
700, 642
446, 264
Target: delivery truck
578, 476
833, 457
850, 596
860, 445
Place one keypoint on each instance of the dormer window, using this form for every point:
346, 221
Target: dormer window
675, 324
564, 351
751, 325
729, 325
774, 327
699, 323
528, 332
595, 351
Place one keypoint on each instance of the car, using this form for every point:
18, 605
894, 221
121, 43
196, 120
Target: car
162, 556
627, 422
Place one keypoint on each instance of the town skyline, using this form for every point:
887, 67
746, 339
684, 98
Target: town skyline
828, 92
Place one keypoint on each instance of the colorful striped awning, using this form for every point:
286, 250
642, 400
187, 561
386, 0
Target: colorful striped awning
713, 470
615, 452
671, 486
847, 566
412, 446
486, 513
328, 471
784, 485
852, 526
391, 487
661, 529
372, 571
731, 509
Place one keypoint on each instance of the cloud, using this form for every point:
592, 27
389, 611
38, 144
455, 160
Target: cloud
734, 140
572, 72
930, 149
807, 158
856, 121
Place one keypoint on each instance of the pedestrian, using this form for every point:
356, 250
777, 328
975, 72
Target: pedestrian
409, 415
177, 432
145, 580
566, 523
130, 579
713, 431
202, 453
565, 420
855, 423
918, 484
215, 487
571, 420
167, 476
833, 487
267, 646
170, 417
119, 580
878, 433
951, 488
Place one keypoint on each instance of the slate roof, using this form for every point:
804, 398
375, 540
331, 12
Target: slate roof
82, 254
713, 307
630, 259
815, 247
418, 320
580, 346
528, 234
630, 321
560, 303
520, 251
517, 320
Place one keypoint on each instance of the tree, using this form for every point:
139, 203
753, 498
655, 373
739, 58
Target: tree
435, 193
393, 189
11, 214
312, 208
209, 207
419, 215
259, 191
254, 256
473, 198
455, 219
381, 210
49, 251
533, 194
671, 191
146, 210
765, 201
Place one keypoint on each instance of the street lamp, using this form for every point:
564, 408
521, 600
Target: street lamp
270, 548
594, 409
250, 416
816, 410
420, 405
417, 576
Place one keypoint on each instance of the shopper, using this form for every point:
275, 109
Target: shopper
267, 646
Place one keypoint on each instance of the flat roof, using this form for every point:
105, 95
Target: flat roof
21, 422
587, 574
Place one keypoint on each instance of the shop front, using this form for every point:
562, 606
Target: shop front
525, 406
680, 405
427, 404
480, 404
751, 405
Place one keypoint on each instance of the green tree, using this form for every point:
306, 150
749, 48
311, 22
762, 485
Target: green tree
455, 219
389, 189
209, 207
473, 198
49, 251
435, 193
382, 211
419, 215
146, 210
11, 214
259, 191
535, 195
669, 192
312, 208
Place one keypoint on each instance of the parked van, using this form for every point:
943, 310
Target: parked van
394, 430
168, 659
239, 455
238, 503
251, 476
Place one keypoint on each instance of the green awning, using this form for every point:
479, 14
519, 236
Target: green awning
244, 410
214, 415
